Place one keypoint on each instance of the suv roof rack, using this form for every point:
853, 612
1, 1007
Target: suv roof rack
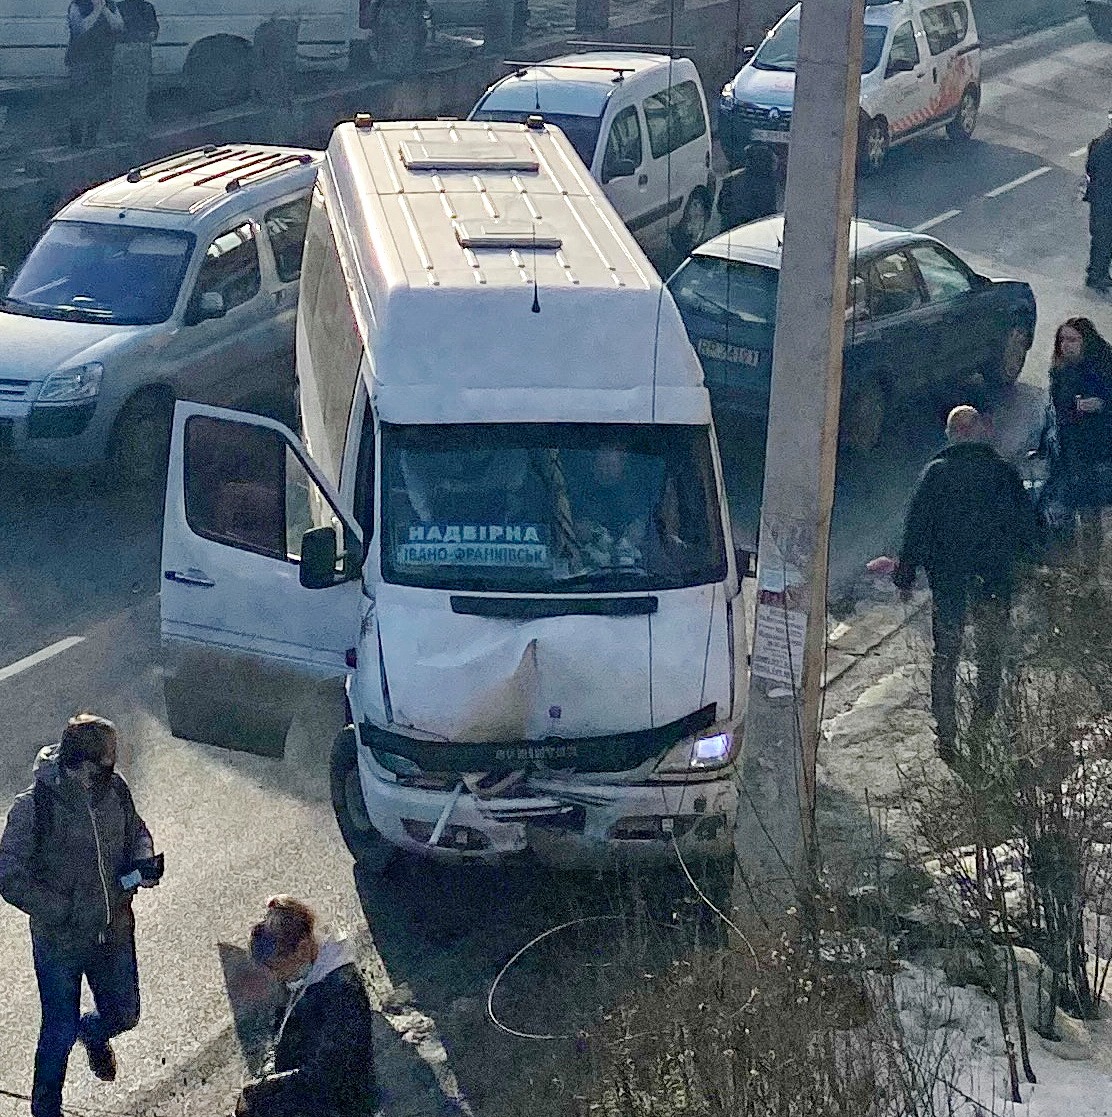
659, 48
522, 68
137, 174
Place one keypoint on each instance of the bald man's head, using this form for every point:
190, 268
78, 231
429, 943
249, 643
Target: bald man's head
964, 424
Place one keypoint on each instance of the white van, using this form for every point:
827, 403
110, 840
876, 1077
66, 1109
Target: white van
920, 70
639, 122
505, 524
204, 43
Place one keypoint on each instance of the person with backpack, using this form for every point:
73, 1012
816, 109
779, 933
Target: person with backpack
969, 523
72, 855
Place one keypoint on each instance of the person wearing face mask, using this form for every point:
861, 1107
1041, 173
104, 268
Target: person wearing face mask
1081, 395
323, 1061
68, 858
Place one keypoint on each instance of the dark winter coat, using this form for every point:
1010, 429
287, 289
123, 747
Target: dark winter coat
323, 1058
63, 852
1098, 166
969, 518
94, 48
1083, 438
747, 195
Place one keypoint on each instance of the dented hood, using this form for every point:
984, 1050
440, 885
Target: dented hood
470, 679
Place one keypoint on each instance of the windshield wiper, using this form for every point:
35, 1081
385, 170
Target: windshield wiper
709, 306
586, 577
777, 67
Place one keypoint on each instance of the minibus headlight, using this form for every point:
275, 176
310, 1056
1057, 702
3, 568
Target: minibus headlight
699, 754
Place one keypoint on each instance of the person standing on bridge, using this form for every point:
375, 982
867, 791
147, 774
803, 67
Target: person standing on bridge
969, 522
1098, 193
72, 855
94, 27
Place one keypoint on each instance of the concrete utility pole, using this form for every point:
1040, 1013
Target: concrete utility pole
774, 833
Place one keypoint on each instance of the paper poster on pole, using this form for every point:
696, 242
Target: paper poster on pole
778, 644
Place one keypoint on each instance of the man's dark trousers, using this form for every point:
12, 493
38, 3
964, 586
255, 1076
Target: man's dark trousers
113, 979
1100, 244
988, 608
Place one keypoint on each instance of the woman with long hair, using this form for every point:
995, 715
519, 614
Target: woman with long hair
1081, 395
323, 1058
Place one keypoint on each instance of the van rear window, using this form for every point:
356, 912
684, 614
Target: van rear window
581, 131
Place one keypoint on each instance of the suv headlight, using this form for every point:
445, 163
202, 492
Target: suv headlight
68, 385
699, 754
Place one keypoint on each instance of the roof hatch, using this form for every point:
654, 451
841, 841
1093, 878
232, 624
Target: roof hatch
505, 235
470, 154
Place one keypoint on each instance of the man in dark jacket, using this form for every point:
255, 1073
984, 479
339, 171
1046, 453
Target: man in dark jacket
66, 859
969, 522
323, 1048
1098, 169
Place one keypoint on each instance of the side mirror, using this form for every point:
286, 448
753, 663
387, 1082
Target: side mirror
318, 558
209, 304
620, 168
746, 561
748, 52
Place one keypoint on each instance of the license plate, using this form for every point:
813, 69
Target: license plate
734, 354
764, 135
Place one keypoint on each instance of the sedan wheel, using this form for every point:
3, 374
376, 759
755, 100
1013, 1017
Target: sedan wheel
1013, 356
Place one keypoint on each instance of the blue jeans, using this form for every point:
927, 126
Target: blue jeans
113, 979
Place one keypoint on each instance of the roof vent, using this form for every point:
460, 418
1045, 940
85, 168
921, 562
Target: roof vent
364, 120
505, 236
476, 155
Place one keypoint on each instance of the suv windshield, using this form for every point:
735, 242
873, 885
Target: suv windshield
543, 508
779, 50
89, 272
581, 131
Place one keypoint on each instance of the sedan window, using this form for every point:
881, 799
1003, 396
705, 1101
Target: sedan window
893, 285
944, 277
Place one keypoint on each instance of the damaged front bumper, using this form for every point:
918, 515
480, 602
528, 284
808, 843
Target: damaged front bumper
563, 818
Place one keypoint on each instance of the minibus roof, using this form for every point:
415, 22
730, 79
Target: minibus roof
492, 281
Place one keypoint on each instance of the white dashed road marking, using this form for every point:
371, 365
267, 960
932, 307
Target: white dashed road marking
1037, 173
38, 657
925, 225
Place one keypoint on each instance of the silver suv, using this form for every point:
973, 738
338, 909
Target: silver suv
176, 281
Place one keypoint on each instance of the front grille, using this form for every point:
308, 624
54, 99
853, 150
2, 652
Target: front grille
760, 117
14, 389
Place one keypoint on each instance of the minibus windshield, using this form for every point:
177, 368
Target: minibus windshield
550, 508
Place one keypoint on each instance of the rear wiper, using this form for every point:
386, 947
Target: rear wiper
709, 305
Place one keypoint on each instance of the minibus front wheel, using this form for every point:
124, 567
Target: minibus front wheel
371, 851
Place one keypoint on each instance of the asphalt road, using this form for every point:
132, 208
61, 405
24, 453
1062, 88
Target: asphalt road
80, 567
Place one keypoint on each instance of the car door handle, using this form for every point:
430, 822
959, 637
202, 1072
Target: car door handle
190, 578
642, 180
